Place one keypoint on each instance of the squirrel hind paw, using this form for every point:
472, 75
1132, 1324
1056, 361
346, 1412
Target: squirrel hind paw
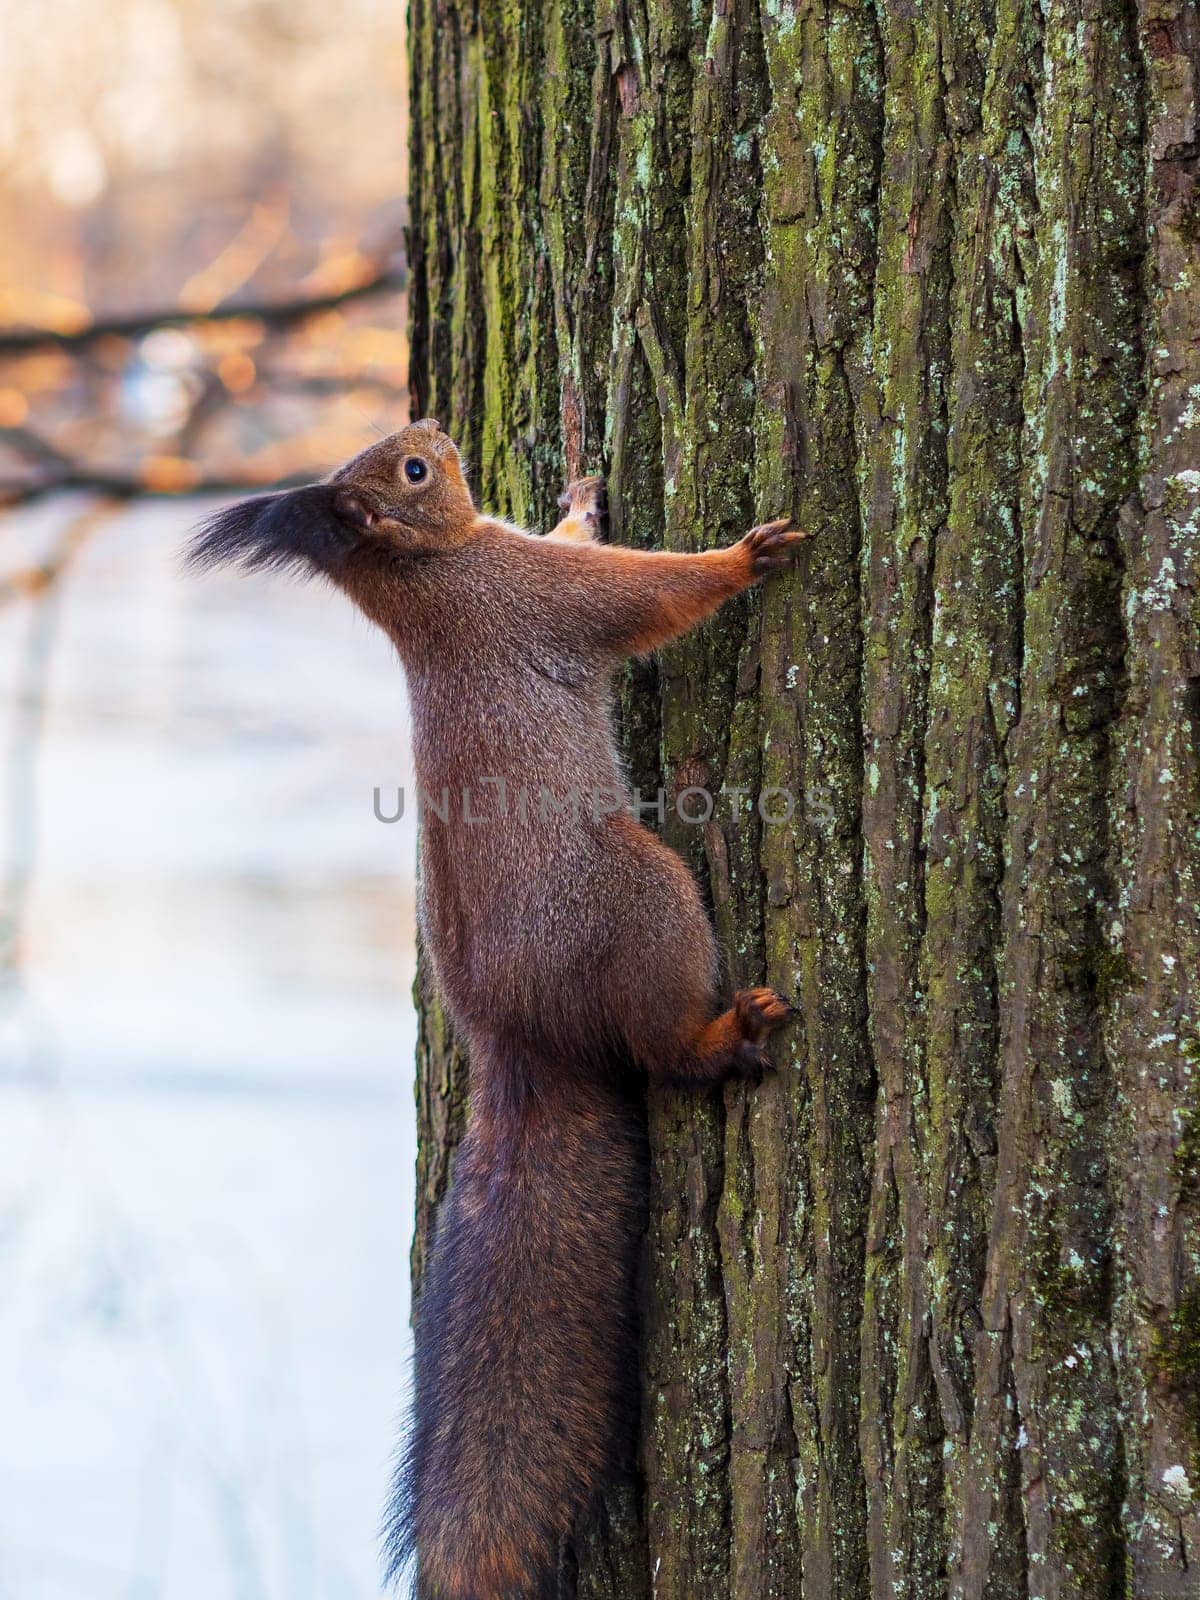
759, 1012
750, 1063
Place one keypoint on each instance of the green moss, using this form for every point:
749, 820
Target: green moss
1187, 1150
1176, 1359
1112, 972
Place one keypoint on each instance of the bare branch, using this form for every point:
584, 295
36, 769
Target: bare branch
32, 445
280, 381
278, 314
131, 486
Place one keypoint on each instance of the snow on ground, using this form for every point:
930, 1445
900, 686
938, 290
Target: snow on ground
206, 1130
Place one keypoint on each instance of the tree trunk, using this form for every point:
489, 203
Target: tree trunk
923, 1310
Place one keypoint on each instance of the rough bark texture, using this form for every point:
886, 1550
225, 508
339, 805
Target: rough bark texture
923, 1311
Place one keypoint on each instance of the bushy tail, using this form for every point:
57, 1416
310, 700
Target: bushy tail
526, 1367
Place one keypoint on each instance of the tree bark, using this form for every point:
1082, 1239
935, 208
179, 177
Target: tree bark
923, 1310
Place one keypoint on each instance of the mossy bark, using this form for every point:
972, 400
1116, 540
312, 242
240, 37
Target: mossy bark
923, 1310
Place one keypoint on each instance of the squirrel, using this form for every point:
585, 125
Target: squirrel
572, 950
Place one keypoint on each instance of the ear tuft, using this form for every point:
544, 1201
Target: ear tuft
296, 530
430, 423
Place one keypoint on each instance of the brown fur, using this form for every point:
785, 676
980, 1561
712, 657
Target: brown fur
568, 944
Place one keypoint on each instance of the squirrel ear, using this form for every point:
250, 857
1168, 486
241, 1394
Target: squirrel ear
432, 423
348, 508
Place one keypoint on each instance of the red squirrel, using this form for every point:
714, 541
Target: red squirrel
572, 950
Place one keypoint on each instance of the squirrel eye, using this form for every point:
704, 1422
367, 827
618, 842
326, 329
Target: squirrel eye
415, 469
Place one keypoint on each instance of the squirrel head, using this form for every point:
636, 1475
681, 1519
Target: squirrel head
399, 501
410, 485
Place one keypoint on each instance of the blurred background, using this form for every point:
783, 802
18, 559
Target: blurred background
206, 937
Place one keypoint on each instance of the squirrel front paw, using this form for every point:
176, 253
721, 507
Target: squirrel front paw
585, 501
584, 496
771, 546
